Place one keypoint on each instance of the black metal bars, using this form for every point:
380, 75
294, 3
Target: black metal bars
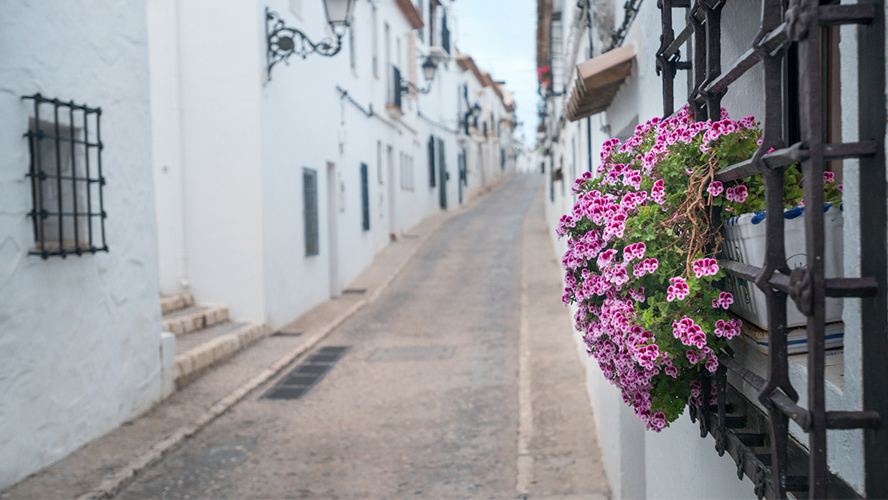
281, 42
799, 27
63, 187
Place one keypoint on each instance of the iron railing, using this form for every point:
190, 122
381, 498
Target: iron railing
791, 37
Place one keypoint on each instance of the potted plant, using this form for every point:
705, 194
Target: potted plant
544, 75
641, 261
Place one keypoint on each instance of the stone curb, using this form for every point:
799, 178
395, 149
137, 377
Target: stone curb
195, 361
116, 481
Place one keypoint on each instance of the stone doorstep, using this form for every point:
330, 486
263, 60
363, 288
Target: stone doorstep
201, 318
193, 362
176, 302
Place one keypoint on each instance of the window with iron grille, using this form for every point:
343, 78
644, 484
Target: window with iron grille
310, 210
365, 198
432, 181
794, 47
67, 210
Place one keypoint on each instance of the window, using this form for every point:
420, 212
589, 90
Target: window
432, 161
365, 198
375, 42
395, 87
352, 57
310, 210
388, 62
379, 161
402, 172
420, 4
67, 182
432, 5
445, 34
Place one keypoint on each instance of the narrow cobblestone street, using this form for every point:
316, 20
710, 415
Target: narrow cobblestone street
425, 401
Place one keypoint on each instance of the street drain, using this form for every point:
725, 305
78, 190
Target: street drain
307, 374
354, 291
286, 334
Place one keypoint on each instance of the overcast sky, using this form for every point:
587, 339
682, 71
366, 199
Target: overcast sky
501, 36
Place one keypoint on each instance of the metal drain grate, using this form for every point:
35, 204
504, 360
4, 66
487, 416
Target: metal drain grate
354, 291
307, 374
286, 334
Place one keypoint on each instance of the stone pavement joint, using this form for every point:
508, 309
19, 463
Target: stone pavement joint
84, 474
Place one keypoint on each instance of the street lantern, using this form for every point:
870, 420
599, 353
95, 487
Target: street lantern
428, 69
283, 41
338, 12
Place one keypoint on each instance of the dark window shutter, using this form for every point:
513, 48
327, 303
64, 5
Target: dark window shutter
365, 198
432, 161
310, 205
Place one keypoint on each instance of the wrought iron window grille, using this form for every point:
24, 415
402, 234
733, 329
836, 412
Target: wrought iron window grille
67, 183
791, 37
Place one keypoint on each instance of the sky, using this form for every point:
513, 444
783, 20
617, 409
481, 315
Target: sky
500, 35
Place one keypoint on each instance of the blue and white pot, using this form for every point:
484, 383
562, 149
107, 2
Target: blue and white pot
745, 242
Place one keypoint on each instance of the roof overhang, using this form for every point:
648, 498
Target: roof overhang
411, 13
598, 81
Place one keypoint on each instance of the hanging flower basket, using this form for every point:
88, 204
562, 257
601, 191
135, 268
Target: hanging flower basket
544, 75
641, 261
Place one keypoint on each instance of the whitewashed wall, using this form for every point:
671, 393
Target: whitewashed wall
232, 146
677, 463
80, 336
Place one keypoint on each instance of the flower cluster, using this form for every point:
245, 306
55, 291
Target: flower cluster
643, 298
630, 280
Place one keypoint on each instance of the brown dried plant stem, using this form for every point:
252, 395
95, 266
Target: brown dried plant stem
692, 224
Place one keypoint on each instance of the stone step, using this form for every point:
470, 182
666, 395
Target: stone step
201, 350
172, 303
193, 318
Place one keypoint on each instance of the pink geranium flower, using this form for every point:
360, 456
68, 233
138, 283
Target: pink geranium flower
715, 188
705, 267
678, 290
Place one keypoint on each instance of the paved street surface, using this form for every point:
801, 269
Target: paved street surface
427, 399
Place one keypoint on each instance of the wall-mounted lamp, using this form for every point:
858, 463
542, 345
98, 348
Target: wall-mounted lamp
472, 113
429, 67
283, 41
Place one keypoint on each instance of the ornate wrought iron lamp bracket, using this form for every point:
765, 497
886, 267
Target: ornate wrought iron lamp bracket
283, 41
407, 86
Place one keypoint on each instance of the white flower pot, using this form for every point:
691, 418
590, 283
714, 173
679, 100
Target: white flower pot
745, 242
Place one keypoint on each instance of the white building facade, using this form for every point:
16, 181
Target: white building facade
240, 146
193, 166
575, 37
80, 323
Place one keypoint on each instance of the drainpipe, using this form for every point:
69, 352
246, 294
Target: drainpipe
183, 260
